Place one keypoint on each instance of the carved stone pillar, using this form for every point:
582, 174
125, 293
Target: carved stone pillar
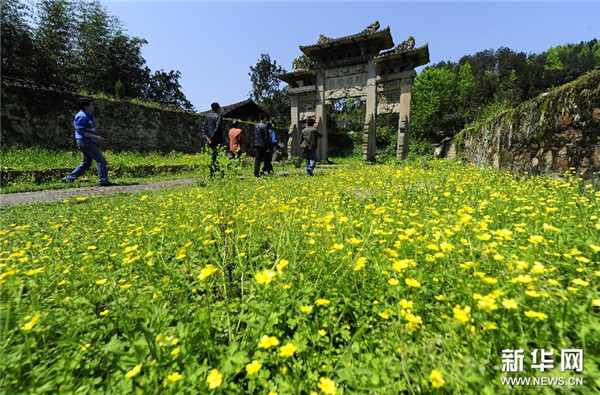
369, 143
320, 112
292, 149
404, 119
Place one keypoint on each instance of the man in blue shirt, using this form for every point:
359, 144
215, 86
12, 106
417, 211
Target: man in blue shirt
85, 134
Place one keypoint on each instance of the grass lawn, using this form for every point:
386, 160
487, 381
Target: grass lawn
380, 278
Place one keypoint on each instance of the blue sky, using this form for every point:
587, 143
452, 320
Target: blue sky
213, 43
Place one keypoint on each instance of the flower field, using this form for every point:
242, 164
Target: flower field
367, 279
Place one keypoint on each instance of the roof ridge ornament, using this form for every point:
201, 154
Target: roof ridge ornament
405, 45
372, 28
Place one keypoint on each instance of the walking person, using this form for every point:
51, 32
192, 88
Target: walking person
235, 141
212, 135
310, 136
86, 137
274, 145
261, 142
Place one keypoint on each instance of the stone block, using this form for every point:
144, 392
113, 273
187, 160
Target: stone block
572, 134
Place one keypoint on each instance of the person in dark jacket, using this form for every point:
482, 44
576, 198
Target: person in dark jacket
268, 166
262, 143
309, 143
86, 136
212, 135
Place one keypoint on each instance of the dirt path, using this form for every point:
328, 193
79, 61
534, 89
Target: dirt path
11, 199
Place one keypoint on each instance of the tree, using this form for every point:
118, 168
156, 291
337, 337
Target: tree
303, 62
17, 39
54, 59
95, 30
466, 87
125, 63
434, 114
164, 88
266, 92
262, 76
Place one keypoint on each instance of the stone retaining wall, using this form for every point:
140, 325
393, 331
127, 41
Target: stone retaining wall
551, 133
35, 116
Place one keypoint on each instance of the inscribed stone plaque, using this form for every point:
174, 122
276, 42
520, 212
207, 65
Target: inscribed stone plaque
346, 77
355, 91
346, 70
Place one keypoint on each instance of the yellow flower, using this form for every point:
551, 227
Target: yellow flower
509, 303
550, 228
322, 333
580, 282
486, 303
594, 248
413, 321
360, 263
214, 379
306, 309
536, 239
86, 347
31, 323
338, 247
101, 282
134, 372
253, 367
207, 271
104, 313
174, 377
462, 314
282, 264
287, 350
268, 341
406, 304
327, 386
535, 314
322, 302
354, 241
446, 247
437, 379
265, 277
127, 250
412, 283
490, 326
439, 297
596, 302
176, 351
384, 315
393, 282
34, 271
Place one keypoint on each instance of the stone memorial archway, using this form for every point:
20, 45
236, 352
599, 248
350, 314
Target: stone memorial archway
355, 67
